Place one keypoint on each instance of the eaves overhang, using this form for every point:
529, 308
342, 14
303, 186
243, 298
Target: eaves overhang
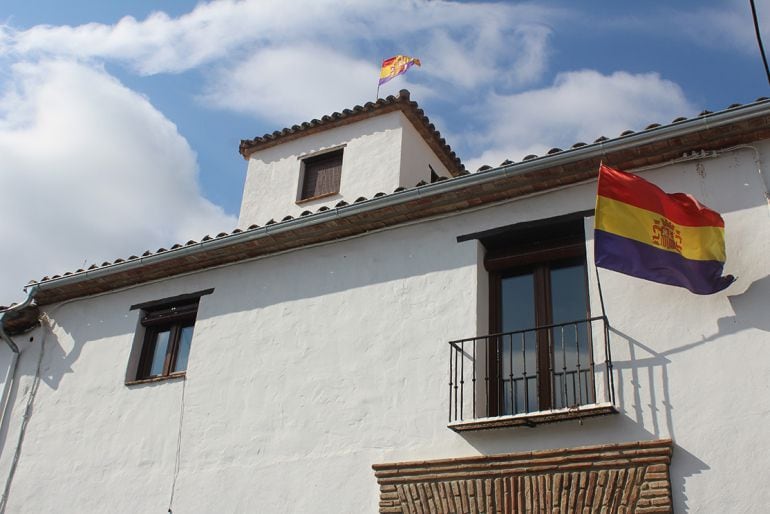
712, 131
402, 103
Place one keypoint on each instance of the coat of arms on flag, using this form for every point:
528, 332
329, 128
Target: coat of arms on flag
395, 66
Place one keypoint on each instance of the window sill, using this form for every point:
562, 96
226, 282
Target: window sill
312, 198
152, 380
531, 419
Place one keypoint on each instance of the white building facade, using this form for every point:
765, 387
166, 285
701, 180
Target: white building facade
305, 365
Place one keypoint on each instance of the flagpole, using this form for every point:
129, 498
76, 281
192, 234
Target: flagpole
378, 85
596, 268
601, 295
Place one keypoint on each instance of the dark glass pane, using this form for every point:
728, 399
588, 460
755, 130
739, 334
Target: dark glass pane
570, 343
183, 351
517, 307
518, 352
568, 293
159, 353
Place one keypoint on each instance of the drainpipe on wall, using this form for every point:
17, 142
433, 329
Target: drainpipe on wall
11, 378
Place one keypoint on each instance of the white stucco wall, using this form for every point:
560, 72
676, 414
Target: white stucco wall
380, 154
308, 367
417, 157
370, 164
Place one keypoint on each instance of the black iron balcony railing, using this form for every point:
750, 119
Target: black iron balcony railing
551, 367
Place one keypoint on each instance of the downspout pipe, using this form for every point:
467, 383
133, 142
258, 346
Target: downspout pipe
10, 379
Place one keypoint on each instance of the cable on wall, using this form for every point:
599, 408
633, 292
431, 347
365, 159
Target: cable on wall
759, 39
27, 413
178, 446
48, 325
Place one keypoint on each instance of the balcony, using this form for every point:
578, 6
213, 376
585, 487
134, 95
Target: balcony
527, 377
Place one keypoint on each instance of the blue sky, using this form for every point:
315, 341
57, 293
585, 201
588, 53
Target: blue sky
120, 121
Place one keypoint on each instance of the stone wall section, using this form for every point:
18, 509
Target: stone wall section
620, 478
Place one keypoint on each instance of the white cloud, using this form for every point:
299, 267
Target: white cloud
288, 62
505, 58
90, 171
108, 175
728, 26
579, 106
486, 40
298, 83
164, 44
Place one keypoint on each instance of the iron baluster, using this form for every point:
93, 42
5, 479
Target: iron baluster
551, 368
609, 360
579, 395
515, 387
486, 375
456, 386
564, 398
591, 364
510, 371
474, 378
575, 378
451, 351
607, 383
524, 364
462, 376
498, 375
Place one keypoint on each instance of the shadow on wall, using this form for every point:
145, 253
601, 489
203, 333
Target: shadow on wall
98, 324
349, 265
99, 331
629, 425
646, 410
750, 309
652, 373
389, 257
275, 280
47, 357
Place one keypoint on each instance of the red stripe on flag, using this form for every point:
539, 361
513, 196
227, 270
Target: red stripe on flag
677, 207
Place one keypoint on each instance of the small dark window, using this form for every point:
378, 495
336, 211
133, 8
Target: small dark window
167, 338
321, 175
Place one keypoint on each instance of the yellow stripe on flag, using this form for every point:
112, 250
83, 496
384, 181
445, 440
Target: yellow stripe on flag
696, 243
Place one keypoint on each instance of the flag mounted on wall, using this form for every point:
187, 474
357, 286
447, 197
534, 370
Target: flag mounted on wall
395, 66
645, 232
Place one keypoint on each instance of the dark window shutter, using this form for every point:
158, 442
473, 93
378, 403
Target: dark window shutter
322, 175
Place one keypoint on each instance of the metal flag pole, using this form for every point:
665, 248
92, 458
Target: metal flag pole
601, 295
378, 85
596, 268
610, 379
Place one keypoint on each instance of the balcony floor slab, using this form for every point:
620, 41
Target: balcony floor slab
532, 419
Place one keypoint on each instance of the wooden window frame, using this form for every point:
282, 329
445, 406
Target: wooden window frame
538, 258
308, 163
173, 318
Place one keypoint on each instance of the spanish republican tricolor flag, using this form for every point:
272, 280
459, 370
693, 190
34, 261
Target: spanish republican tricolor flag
668, 238
395, 66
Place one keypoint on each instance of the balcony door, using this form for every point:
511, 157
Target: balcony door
539, 306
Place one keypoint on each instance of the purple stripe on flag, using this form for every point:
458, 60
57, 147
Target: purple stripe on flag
644, 261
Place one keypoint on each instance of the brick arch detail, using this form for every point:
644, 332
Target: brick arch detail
619, 478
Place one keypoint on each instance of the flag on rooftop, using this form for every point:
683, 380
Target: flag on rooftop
395, 66
645, 232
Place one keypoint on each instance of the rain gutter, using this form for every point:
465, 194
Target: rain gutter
591, 151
